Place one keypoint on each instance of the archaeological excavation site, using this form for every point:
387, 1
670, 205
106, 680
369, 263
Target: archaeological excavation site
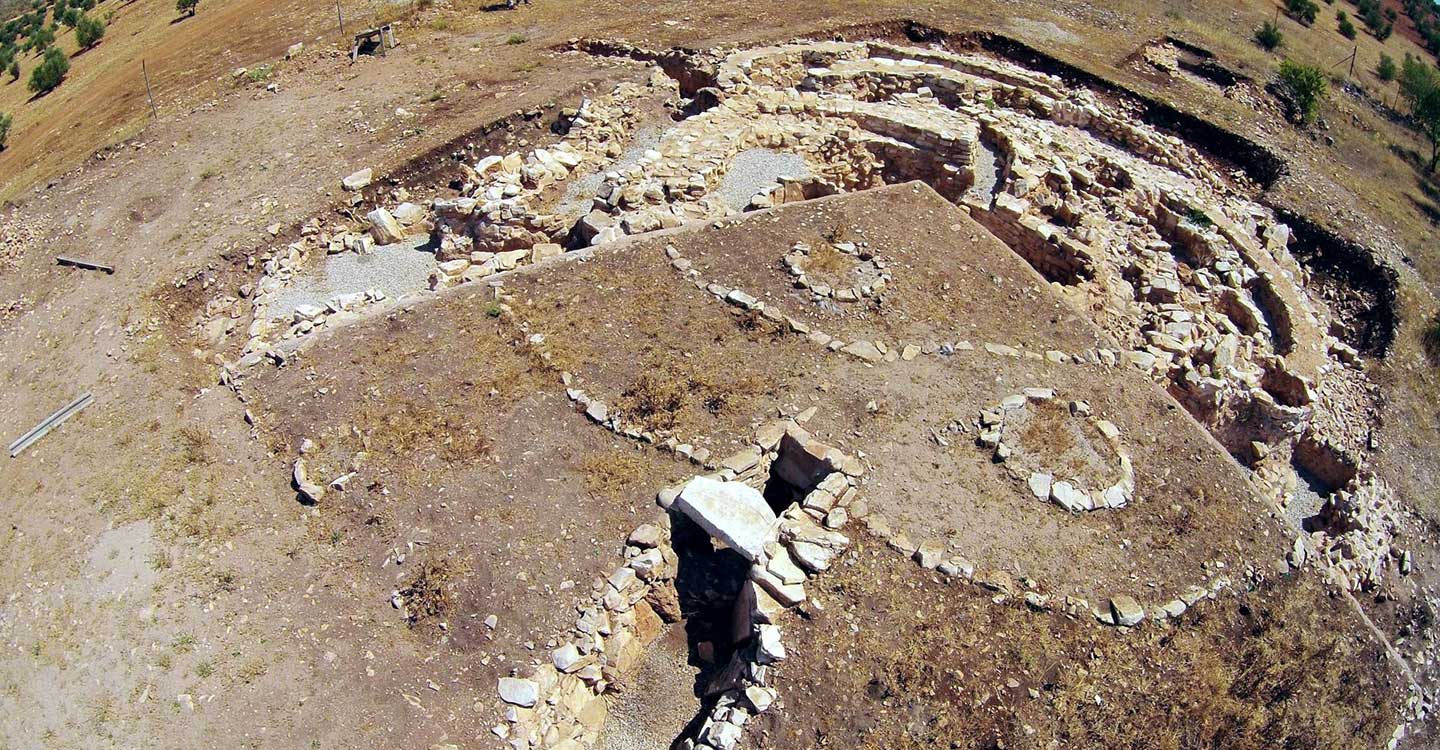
881, 386
946, 311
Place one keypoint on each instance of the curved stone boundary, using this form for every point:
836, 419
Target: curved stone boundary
1120, 609
795, 264
876, 351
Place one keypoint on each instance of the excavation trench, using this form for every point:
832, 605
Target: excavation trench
709, 650
975, 163
691, 69
667, 693
1360, 289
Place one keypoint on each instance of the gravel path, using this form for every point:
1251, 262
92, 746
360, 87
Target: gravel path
1305, 501
755, 170
658, 699
987, 175
396, 270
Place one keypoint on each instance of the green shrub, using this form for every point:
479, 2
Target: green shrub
1347, 29
258, 73
14, 70
187, 6
51, 70
40, 39
1269, 36
1307, 84
1303, 11
4, 129
1387, 69
516, 39
1380, 21
1420, 87
88, 31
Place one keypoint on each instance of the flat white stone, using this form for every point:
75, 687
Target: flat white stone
1040, 485
519, 692
733, 512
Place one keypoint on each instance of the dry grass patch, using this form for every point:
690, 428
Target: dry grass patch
662, 395
429, 592
825, 260
1284, 666
408, 428
614, 472
196, 445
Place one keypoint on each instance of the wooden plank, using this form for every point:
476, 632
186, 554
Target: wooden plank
66, 260
50, 423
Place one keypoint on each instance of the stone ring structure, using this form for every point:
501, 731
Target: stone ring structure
868, 274
1060, 464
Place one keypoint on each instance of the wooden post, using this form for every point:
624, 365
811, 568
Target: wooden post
1354, 55
341, 16
148, 93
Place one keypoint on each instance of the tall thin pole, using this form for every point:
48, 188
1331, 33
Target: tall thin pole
148, 93
1354, 55
340, 16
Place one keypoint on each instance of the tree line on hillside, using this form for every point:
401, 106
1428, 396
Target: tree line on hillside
1379, 20
1304, 87
1426, 17
28, 33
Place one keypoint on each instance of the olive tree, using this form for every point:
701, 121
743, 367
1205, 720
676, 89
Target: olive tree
1420, 87
88, 31
51, 70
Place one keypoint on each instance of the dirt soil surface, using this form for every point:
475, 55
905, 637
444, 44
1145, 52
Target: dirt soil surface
620, 319
893, 658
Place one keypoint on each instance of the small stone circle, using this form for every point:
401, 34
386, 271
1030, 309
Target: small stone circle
870, 272
999, 427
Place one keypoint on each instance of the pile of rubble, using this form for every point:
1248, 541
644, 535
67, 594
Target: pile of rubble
1358, 525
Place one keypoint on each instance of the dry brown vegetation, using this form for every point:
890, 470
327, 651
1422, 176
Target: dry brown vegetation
664, 392
196, 445
828, 263
429, 592
614, 472
939, 665
402, 428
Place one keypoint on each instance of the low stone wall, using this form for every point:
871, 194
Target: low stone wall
1056, 256
561, 704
